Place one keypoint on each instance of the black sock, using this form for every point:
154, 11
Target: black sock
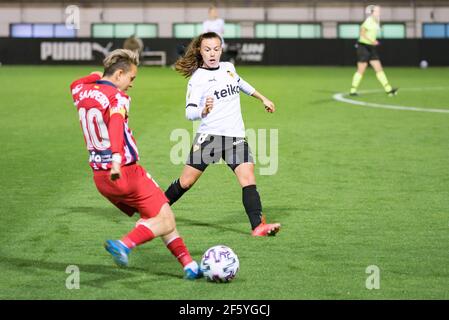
174, 191
252, 204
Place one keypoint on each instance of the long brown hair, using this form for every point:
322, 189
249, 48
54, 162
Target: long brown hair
192, 59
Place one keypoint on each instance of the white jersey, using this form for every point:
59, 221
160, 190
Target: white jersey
223, 84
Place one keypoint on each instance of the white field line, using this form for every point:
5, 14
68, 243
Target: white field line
342, 97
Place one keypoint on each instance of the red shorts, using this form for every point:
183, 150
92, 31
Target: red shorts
135, 191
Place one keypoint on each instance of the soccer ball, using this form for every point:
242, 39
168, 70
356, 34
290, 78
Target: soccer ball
220, 264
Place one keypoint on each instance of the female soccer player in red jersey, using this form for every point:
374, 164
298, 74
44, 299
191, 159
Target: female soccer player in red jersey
103, 108
213, 97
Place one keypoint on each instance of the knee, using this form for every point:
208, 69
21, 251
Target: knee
245, 175
247, 180
186, 183
169, 221
162, 224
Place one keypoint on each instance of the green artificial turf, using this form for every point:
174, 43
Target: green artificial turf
354, 187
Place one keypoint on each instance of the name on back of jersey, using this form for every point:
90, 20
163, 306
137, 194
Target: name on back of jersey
97, 95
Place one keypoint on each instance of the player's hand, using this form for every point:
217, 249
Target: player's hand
209, 106
115, 171
97, 73
269, 105
376, 43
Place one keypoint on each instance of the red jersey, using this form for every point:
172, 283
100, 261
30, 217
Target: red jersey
103, 111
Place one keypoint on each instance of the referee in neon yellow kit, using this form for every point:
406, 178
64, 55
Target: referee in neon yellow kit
366, 52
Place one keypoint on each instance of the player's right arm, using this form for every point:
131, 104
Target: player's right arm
196, 107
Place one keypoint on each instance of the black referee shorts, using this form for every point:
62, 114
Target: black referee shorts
366, 52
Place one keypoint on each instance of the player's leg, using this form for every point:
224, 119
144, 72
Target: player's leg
115, 192
251, 201
157, 216
196, 163
380, 74
357, 77
181, 185
164, 225
136, 191
238, 157
250, 196
146, 229
175, 244
363, 56
157, 219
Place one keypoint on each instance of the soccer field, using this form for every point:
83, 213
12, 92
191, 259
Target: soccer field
355, 186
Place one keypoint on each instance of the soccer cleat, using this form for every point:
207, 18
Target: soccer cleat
266, 229
118, 251
393, 92
192, 271
353, 94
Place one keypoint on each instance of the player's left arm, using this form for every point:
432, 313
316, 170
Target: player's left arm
117, 113
269, 105
91, 78
251, 91
116, 127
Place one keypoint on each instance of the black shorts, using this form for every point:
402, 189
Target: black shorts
366, 52
210, 148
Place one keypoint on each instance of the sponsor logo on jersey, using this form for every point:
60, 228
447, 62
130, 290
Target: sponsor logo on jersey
97, 156
229, 91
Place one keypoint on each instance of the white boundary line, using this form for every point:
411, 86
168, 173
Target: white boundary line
342, 98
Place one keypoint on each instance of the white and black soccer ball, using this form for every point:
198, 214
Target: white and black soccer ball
220, 264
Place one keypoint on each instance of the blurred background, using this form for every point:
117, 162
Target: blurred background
285, 32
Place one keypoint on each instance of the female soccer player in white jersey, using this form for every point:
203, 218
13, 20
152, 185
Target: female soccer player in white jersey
367, 52
213, 97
